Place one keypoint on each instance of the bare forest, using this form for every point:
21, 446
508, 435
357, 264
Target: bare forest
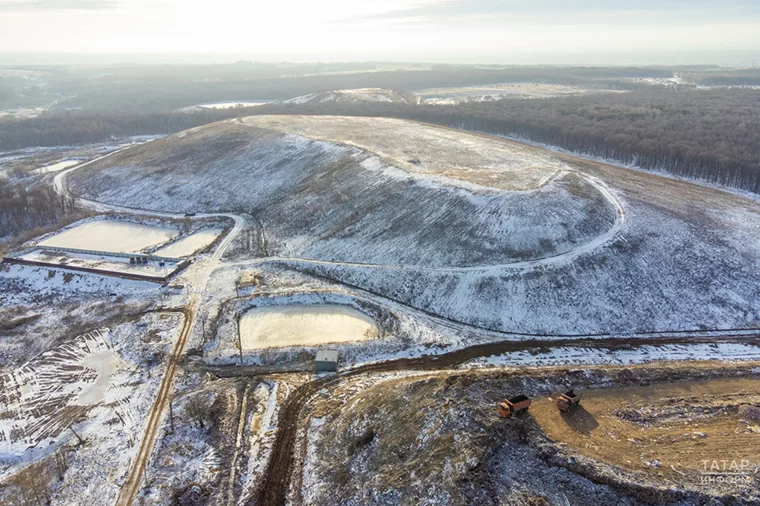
24, 208
709, 135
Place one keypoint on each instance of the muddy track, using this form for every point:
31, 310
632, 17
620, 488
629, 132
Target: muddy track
273, 488
133, 484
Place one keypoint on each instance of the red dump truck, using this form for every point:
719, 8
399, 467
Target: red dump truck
568, 400
514, 405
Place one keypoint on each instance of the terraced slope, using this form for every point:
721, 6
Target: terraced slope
365, 190
489, 232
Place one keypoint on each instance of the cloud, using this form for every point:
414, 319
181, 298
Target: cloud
58, 5
445, 9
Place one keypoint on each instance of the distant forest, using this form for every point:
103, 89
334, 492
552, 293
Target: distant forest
149, 89
710, 135
77, 127
707, 134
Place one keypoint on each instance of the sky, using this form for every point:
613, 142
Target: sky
476, 31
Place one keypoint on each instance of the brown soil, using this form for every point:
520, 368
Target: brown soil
665, 430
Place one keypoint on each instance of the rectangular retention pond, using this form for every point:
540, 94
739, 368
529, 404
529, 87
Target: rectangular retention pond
304, 325
111, 236
190, 244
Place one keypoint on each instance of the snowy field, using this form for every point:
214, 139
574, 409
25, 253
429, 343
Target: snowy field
350, 96
329, 201
84, 402
21, 284
685, 257
425, 149
41, 307
423, 241
232, 104
65, 380
457, 95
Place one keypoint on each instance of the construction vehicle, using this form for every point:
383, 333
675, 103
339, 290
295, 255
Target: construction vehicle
514, 405
567, 400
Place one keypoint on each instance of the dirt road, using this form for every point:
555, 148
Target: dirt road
132, 485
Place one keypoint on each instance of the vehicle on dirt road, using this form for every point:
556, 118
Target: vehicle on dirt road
514, 405
567, 400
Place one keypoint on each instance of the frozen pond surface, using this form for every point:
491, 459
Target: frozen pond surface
190, 244
112, 236
304, 325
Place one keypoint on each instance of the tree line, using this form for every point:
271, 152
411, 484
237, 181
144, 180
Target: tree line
708, 135
22, 208
69, 128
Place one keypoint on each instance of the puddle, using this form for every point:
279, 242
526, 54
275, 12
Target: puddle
190, 244
111, 236
105, 363
304, 325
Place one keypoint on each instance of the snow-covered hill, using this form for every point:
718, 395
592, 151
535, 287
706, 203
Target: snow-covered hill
558, 244
401, 194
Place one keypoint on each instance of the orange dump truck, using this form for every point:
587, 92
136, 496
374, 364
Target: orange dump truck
514, 405
568, 400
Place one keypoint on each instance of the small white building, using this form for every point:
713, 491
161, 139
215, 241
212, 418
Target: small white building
326, 361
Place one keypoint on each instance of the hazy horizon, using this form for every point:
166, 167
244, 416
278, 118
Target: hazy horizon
435, 31
664, 58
